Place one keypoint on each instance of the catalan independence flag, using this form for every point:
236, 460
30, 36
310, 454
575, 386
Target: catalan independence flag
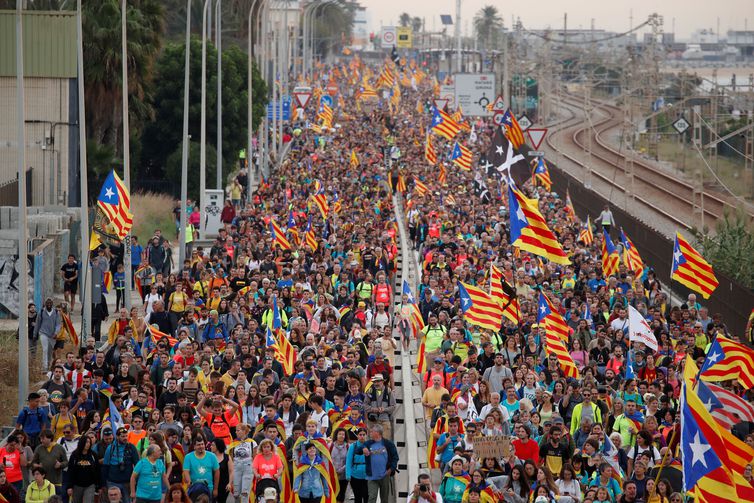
417, 320
555, 346
728, 359
510, 305
713, 458
631, 256
586, 235
354, 162
444, 125
512, 129
569, 209
479, 308
429, 151
529, 231
610, 257
442, 177
115, 202
401, 186
691, 270
541, 174
551, 318
309, 238
278, 236
69, 328
461, 157
320, 201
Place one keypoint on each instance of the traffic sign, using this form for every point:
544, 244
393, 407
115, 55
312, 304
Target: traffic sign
498, 118
524, 122
274, 107
389, 36
326, 100
681, 125
535, 153
332, 88
302, 98
440, 103
536, 135
473, 92
499, 104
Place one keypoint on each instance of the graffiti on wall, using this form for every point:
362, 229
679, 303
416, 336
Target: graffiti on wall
10, 283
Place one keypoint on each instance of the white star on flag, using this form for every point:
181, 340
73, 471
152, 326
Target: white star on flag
109, 193
698, 449
714, 357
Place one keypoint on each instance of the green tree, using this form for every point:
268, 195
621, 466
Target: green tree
333, 27
173, 167
416, 24
404, 19
487, 26
102, 65
163, 135
731, 247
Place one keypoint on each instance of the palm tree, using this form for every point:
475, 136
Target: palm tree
404, 19
416, 24
487, 25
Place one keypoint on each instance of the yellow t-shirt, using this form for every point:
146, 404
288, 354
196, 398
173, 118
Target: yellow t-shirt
178, 302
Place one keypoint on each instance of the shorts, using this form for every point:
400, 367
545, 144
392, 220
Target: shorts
59, 344
70, 287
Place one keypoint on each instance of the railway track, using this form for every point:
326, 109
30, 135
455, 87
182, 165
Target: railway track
666, 195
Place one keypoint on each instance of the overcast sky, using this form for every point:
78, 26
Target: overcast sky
612, 15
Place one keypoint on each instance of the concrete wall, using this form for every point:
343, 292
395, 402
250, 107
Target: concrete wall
47, 137
50, 242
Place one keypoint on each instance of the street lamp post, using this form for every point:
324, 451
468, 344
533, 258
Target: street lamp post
126, 146
219, 37
203, 125
249, 109
185, 153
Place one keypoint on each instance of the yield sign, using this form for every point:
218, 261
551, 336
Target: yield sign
302, 98
536, 135
498, 105
441, 103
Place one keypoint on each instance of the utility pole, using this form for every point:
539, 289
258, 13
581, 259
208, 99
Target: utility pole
655, 21
126, 145
23, 264
698, 191
628, 131
203, 126
749, 149
590, 131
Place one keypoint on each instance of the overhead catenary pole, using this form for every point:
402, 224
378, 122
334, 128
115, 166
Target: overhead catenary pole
23, 282
85, 268
126, 146
185, 153
203, 125
458, 36
219, 44
249, 110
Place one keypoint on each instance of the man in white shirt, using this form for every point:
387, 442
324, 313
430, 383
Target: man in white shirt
494, 405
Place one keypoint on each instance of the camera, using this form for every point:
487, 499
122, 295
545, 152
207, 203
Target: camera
423, 488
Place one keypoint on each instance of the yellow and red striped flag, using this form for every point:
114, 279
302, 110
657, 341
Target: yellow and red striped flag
354, 160
278, 236
479, 308
401, 186
512, 129
69, 328
691, 270
511, 309
728, 359
287, 353
586, 235
450, 200
610, 257
444, 125
320, 201
309, 237
570, 210
461, 157
631, 256
555, 346
107, 282
443, 176
420, 188
529, 231
541, 174
429, 151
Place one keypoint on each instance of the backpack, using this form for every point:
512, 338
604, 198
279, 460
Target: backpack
231, 429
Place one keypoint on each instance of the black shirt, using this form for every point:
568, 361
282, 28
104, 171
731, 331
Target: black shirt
70, 270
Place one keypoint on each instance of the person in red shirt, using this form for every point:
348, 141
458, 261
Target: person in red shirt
525, 447
12, 458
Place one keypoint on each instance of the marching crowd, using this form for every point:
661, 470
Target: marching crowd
262, 367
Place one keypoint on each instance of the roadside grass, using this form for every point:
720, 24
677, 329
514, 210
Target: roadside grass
9, 376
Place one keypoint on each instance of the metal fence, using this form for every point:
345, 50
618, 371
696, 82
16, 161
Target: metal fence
732, 300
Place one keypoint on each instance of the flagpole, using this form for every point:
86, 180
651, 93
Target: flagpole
23, 265
126, 150
86, 287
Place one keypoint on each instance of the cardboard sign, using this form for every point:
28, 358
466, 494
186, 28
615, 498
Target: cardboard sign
497, 447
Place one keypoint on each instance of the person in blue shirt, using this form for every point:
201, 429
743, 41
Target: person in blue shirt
32, 419
118, 464
149, 476
136, 252
356, 471
119, 282
200, 468
447, 442
311, 483
381, 464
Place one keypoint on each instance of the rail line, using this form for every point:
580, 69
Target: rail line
651, 185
